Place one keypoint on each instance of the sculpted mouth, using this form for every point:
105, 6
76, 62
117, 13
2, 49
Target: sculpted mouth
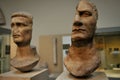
16, 35
78, 30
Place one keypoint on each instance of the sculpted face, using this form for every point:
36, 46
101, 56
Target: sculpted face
21, 30
84, 22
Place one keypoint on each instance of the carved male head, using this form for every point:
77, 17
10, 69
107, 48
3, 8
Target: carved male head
85, 21
21, 27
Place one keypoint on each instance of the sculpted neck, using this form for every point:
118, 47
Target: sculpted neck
24, 51
82, 47
82, 43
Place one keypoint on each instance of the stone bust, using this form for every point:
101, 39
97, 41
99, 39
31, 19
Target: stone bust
82, 58
21, 27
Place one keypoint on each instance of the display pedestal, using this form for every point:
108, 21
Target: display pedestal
33, 75
94, 76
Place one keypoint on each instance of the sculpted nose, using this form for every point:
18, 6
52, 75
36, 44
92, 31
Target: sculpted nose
15, 29
77, 21
77, 18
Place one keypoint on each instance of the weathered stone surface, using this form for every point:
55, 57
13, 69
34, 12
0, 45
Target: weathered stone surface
81, 63
82, 58
26, 56
25, 64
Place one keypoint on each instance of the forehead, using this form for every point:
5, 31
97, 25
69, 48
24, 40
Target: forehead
19, 19
84, 5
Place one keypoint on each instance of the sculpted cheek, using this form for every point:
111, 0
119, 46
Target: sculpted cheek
27, 34
27, 31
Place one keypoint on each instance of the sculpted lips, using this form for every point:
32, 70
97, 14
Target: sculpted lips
16, 35
78, 27
78, 30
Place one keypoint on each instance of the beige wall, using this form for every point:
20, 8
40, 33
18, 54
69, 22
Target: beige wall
46, 50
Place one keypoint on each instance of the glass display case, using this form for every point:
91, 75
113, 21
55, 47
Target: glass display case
108, 45
4, 50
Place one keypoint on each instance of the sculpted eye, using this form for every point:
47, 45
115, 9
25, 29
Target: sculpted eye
18, 24
85, 14
12, 24
21, 24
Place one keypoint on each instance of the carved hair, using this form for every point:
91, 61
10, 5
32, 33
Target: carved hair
23, 14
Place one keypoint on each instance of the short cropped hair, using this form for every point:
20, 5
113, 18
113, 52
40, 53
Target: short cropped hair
23, 14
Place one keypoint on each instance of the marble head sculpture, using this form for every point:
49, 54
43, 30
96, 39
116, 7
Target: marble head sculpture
82, 58
21, 27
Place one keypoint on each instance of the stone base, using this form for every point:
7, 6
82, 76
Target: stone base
33, 75
94, 76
